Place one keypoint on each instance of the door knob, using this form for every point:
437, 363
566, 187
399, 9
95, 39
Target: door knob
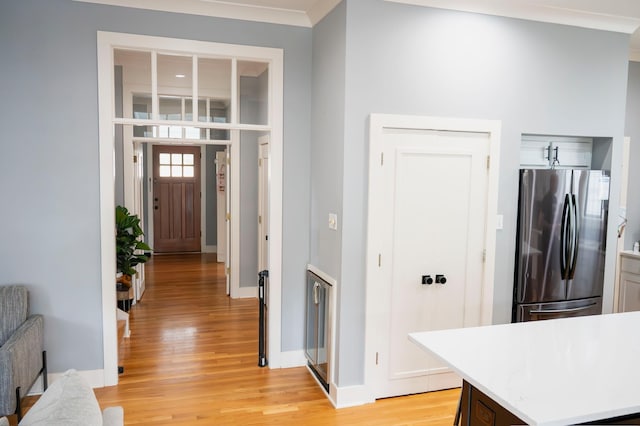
441, 279
426, 279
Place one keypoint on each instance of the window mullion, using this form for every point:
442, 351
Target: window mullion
194, 85
155, 104
234, 91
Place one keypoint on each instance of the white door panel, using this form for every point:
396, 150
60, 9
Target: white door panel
433, 222
221, 212
263, 203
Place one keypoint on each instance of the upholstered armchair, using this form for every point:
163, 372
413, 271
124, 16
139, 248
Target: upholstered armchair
22, 355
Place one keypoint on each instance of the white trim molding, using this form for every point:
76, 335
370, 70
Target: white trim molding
593, 14
246, 293
349, 396
291, 359
224, 9
106, 43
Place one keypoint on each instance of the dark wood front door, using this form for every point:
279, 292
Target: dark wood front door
176, 199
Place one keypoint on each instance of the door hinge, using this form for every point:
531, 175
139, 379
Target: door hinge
488, 162
135, 158
484, 255
228, 271
228, 160
228, 216
376, 358
382, 158
379, 260
259, 162
259, 219
200, 233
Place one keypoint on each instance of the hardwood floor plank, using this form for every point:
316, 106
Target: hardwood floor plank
192, 360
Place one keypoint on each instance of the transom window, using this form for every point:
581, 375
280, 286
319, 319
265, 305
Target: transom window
176, 165
169, 95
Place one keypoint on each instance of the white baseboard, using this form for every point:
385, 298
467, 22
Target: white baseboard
122, 315
209, 249
95, 378
349, 396
292, 359
246, 293
222, 257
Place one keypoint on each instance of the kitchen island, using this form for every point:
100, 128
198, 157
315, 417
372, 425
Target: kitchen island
555, 372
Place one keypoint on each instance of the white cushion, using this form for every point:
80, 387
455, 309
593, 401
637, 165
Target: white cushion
69, 401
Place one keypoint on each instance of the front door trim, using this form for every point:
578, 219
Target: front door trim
378, 123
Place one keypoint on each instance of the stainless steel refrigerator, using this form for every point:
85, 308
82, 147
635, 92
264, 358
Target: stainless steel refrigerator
561, 241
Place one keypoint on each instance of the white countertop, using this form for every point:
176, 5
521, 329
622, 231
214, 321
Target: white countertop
553, 372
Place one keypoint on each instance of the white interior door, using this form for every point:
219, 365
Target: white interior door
263, 203
138, 203
431, 195
227, 215
221, 212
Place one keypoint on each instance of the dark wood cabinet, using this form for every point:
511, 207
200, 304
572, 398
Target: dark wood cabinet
477, 409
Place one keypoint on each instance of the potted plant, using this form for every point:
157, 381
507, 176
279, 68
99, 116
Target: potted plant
128, 245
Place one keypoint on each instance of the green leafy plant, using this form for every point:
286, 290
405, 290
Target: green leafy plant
128, 244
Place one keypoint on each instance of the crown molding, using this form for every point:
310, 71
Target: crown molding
220, 9
320, 9
523, 9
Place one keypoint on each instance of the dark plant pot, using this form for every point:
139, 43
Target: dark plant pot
122, 295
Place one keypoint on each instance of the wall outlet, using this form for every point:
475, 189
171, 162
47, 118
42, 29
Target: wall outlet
333, 221
499, 221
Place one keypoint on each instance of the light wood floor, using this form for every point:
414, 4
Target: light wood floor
192, 359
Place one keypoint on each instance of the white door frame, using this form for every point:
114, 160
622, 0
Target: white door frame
106, 42
377, 125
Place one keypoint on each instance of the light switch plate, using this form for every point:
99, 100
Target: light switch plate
499, 221
333, 221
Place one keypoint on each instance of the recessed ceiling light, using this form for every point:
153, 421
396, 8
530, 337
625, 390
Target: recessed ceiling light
180, 75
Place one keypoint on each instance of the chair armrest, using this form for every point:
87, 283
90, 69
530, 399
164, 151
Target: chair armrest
20, 361
112, 416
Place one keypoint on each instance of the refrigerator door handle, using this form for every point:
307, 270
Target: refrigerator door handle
574, 242
564, 229
561, 311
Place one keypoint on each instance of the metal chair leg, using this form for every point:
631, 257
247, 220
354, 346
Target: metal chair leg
44, 371
18, 405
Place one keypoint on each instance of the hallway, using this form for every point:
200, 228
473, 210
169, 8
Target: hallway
192, 359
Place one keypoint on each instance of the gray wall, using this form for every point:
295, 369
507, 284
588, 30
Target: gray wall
327, 147
49, 167
537, 78
632, 130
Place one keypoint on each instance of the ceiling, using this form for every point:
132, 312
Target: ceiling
611, 15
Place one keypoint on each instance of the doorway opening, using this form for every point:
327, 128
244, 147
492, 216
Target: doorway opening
183, 112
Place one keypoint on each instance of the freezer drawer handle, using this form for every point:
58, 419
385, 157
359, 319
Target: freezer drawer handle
560, 311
